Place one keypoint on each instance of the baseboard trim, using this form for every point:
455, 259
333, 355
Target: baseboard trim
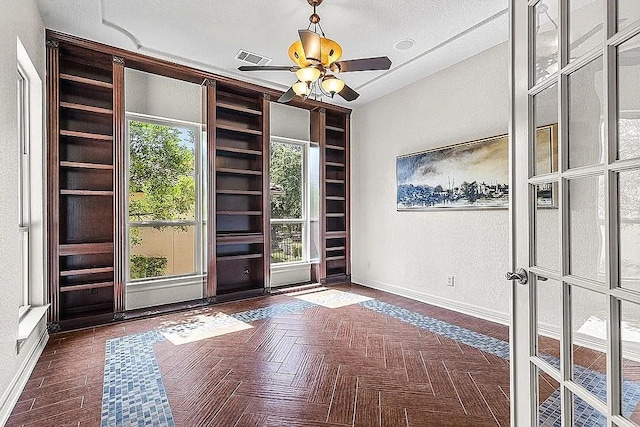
10, 397
460, 307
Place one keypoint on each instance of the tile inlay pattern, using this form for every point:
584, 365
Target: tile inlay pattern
133, 393
388, 361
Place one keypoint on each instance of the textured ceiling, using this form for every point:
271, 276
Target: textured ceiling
207, 34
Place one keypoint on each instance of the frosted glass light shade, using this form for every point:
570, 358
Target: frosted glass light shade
308, 74
301, 88
332, 84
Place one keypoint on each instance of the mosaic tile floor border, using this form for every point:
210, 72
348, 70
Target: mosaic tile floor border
134, 393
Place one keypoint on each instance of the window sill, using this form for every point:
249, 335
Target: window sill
29, 322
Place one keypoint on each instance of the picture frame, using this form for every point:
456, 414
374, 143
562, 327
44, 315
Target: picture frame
470, 175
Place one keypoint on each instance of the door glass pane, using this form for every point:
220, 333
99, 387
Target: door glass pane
585, 415
628, 13
548, 400
630, 363
586, 228
286, 175
589, 340
629, 228
586, 117
628, 99
545, 106
549, 316
547, 217
585, 26
162, 251
545, 35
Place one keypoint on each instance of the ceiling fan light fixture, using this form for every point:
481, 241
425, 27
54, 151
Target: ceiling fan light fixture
308, 74
301, 88
332, 84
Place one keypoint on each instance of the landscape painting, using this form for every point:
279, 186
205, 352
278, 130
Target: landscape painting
471, 175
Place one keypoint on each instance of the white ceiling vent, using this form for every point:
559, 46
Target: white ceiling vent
252, 58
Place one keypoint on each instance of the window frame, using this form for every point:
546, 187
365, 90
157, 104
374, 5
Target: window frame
198, 222
24, 187
305, 219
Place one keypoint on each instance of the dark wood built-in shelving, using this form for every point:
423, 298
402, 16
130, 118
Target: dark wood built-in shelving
86, 151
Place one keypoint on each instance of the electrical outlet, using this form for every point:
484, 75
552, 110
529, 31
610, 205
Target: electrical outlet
450, 281
246, 269
368, 265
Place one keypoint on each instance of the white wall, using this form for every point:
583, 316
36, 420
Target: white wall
414, 252
18, 19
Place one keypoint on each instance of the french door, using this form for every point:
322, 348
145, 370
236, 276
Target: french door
575, 336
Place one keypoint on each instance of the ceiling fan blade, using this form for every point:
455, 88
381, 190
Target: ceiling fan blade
364, 64
310, 45
267, 68
348, 94
287, 96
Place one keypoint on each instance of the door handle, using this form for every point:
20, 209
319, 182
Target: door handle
520, 275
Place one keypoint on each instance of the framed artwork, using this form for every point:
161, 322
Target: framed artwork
471, 175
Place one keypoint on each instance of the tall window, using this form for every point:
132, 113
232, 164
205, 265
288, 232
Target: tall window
288, 210
165, 218
24, 207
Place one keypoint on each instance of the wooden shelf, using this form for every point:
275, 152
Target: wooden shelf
335, 215
334, 147
239, 287
334, 128
335, 258
335, 198
86, 310
240, 192
239, 238
238, 108
238, 150
87, 108
238, 171
85, 271
254, 213
335, 164
334, 181
235, 257
86, 193
86, 135
86, 248
80, 165
86, 81
335, 234
336, 248
231, 128
85, 286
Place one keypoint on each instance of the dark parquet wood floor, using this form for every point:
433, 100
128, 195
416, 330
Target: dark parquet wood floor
348, 366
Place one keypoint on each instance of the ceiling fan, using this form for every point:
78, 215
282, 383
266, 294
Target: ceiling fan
317, 61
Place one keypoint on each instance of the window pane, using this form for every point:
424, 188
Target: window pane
548, 317
585, 26
547, 217
586, 117
161, 251
629, 229
586, 228
546, 39
585, 415
548, 400
628, 100
546, 119
286, 180
630, 363
589, 340
162, 165
286, 243
628, 13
